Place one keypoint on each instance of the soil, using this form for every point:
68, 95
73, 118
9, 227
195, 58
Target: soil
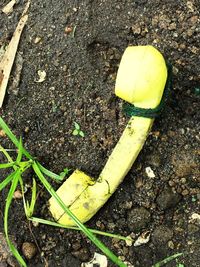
79, 45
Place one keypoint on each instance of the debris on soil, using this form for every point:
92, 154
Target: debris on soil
9, 56
98, 260
9, 7
14, 87
68, 29
195, 218
37, 40
142, 239
42, 76
150, 173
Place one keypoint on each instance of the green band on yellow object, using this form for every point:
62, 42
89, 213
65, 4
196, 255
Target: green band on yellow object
131, 110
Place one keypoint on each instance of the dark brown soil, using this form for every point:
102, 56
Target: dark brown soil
81, 68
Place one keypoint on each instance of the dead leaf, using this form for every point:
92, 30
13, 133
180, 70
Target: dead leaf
42, 76
9, 56
9, 7
14, 85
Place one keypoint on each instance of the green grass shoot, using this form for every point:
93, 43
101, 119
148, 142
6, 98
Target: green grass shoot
19, 167
15, 178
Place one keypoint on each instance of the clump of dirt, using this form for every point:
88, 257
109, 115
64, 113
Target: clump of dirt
81, 66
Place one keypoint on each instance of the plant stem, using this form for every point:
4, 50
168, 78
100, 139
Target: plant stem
94, 231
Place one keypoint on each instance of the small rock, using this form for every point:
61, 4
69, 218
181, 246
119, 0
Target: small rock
142, 239
138, 218
195, 218
17, 194
167, 199
68, 29
192, 229
172, 26
136, 29
2, 133
161, 235
29, 250
171, 244
37, 40
150, 173
98, 260
185, 192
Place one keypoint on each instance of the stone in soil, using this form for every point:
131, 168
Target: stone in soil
138, 218
29, 250
167, 199
161, 235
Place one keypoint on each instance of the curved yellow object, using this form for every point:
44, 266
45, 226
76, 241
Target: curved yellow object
140, 81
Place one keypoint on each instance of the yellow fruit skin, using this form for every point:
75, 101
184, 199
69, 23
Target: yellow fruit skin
140, 81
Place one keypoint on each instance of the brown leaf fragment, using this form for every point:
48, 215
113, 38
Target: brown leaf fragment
9, 56
9, 7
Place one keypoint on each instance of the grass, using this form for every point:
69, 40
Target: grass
19, 166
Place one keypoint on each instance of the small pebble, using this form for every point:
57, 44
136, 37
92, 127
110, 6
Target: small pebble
161, 235
29, 250
138, 218
68, 29
17, 194
167, 199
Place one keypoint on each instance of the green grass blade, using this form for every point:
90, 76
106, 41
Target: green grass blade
49, 173
165, 261
33, 198
7, 180
8, 203
20, 152
15, 141
7, 165
6, 154
94, 231
84, 229
13, 138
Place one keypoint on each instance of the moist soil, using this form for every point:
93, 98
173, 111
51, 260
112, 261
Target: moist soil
79, 45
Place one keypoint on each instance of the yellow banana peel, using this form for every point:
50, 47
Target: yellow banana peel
140, 81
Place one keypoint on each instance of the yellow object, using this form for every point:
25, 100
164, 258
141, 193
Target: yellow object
140, 81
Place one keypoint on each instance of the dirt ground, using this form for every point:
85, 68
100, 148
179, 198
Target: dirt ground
79, 45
